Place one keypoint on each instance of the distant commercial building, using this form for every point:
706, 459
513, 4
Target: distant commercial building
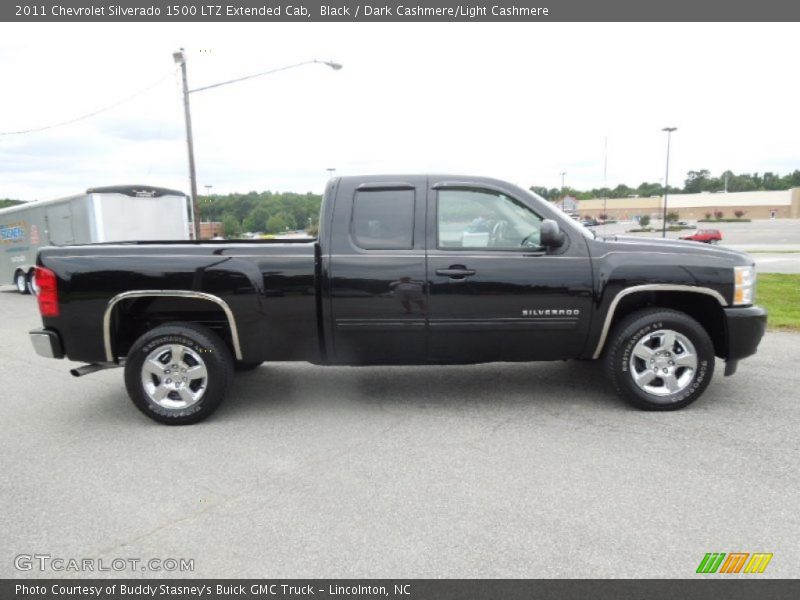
780, 204
569, 204
210, 229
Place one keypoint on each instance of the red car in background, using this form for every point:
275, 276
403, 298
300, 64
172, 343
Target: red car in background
709, 236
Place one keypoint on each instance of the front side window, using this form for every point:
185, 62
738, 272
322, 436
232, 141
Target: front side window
485, 219
384, 219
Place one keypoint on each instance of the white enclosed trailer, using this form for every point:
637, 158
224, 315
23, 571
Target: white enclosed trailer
103, 214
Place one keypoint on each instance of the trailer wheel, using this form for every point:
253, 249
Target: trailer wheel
21, 281
659, 359
178, 373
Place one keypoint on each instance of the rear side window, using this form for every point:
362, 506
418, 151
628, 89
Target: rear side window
383, 219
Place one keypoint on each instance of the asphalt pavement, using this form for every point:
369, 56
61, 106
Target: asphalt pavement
499, 470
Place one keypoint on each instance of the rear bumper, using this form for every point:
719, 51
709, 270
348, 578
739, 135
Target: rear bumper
745, 327
47, 343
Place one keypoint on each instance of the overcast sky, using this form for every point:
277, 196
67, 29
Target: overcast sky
522, 102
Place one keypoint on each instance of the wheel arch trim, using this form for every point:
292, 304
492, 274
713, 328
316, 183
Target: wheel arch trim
107, 341
650, 287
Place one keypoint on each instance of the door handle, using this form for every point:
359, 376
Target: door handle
456, 272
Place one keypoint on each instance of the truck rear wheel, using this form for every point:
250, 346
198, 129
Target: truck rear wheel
659, 359
178, 373
21, 281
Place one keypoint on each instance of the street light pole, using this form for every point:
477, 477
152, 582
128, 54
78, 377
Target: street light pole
669, 131
180, 58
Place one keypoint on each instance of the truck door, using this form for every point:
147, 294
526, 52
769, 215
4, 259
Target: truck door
376, 276
58, 218
494, 294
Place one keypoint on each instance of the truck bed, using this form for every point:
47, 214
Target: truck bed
268, 286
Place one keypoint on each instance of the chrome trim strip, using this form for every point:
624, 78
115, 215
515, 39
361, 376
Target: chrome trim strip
650, 287
237, 350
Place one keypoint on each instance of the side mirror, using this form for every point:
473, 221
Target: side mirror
550, 234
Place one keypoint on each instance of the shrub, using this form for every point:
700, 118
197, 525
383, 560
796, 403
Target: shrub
673, 216
603, 217
739, 213
644, 220
708, 215
718, 214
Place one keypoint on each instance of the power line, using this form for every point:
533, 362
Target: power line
93, 113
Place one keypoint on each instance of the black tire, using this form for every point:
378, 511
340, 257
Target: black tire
21, 282
243, 367
195, 342
31, 283
621, 363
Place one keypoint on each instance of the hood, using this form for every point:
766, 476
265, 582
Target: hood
629, 243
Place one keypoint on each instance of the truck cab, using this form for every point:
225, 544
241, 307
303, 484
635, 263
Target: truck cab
451, 270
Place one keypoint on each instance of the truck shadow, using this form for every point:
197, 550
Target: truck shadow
277, 386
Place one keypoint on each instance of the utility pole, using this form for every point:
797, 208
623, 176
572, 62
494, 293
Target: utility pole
605, 177
180, 57
669, 131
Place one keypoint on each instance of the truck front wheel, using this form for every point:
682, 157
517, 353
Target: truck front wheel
178, 373
659, 359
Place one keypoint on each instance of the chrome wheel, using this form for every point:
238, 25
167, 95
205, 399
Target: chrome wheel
663, 362
174, 376
21, 282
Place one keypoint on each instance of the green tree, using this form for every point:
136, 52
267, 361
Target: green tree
540, 190
644, 220
257, 219
277, 223
230, 226
696, 181
673, 216
645, 189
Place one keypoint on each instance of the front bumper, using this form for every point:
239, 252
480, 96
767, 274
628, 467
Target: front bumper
745, 327
47, 343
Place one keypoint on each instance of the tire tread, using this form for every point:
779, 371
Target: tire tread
620, 336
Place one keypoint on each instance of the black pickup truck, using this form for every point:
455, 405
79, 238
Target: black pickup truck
406, 270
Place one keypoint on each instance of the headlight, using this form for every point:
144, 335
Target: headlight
744, 291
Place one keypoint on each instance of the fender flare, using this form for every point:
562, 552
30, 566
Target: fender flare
107, 341
650, 287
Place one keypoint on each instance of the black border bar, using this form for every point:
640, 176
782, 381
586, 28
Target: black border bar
703, 587
398, 10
